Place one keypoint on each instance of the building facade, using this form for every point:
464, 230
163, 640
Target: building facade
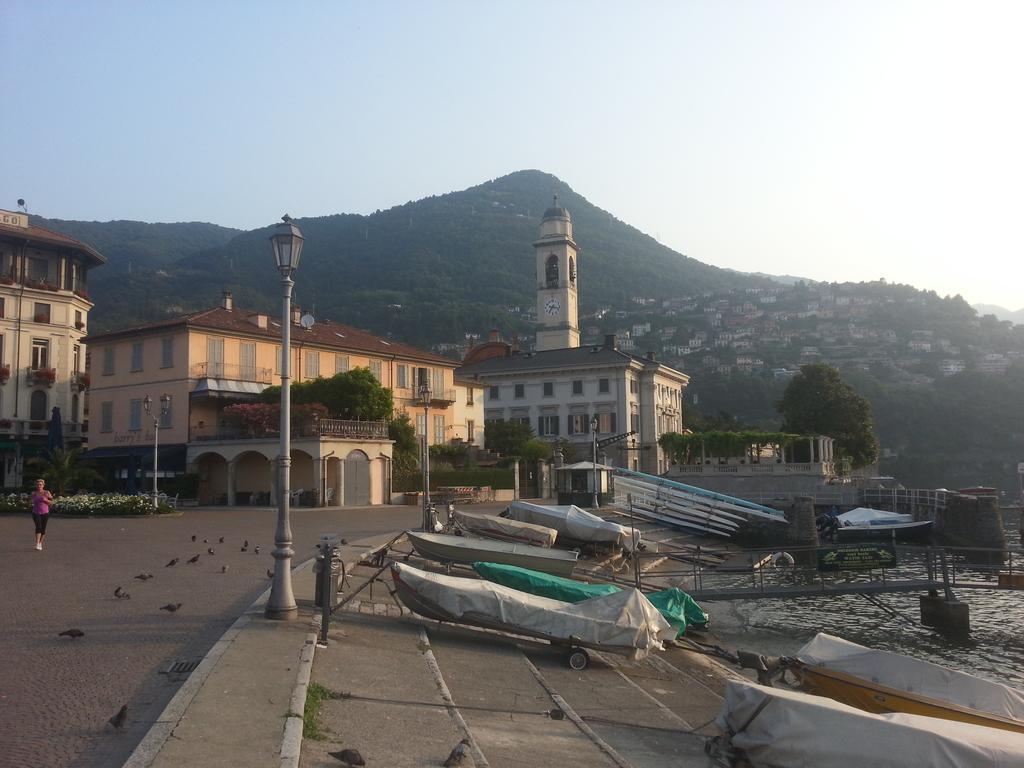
44, 314
224, 356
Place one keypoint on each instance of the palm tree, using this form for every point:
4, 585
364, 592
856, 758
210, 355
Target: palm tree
62, 469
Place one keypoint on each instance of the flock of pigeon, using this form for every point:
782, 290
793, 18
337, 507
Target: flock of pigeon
119, 719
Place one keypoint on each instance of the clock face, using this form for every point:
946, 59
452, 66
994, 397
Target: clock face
552, 306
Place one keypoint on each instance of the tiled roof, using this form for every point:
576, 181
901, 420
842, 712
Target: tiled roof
550, 359
325, 333
49, 237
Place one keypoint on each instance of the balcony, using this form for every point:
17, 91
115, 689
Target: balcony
80, 381
41, 377
439, 398
232, 372
332, 429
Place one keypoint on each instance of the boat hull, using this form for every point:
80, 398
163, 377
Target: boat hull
458, 549
901, 531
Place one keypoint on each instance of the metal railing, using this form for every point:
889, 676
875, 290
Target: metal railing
340, 429
232, 372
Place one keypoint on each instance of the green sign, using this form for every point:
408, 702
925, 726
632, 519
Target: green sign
857, 557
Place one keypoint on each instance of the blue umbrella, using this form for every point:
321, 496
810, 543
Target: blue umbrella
55, 435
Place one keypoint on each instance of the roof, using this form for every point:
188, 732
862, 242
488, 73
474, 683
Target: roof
549, 359
49, 237
325, 333
556, 212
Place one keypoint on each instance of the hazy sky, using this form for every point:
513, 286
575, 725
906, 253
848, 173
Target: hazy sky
833, 140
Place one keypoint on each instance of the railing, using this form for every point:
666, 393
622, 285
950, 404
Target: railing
41, 377
323, 428
232, 372
437, 396
37, 427
826, 468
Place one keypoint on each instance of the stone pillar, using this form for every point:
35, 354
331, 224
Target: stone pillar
341, 484
802, 529
951, 617
318, 481
515, 480
232, 480
810, 444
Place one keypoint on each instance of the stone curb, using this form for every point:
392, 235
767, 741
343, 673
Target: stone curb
291, 742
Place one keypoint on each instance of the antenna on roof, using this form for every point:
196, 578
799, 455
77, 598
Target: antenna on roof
22, 206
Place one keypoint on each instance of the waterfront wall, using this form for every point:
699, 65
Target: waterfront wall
967, 521
801, 530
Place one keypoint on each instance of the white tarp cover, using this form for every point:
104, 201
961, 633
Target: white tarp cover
572, 522
906, 673
623, 620
865, 516
504, 528
786, 729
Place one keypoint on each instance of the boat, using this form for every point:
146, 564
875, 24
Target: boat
679, 609
573, 524
881, 681
445, 548
622, 622
862, 524
777, 727
493, 527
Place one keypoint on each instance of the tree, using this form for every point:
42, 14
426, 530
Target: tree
354, 394
818, 401
63, 469
406, 450
507, 437
535, 450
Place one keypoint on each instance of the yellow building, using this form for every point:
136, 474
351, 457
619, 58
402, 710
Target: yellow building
217, 357
44, 309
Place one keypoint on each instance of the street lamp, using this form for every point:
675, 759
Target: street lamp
165, 408
593, 429
424, 393
287, 244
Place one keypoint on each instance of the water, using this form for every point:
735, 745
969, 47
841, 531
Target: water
994, 650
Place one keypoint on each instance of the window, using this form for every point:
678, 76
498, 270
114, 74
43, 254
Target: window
577, 387
606, 423
37, 270
602, 386
2, 349
40, 354
2, 312
375, 369
547, 426
493, 393
520, 391
470, 430
42, 312
437, 381
37, 406
403, 377
421, 424
549, 389
551, 271
634, 422
313, 364
214, 357
136, 356
165, 417
76, 358
108, 360
341, 363
77, 276
167, 352
247, 360
579, 424
439, 429
633, 386
470, 395
135, 415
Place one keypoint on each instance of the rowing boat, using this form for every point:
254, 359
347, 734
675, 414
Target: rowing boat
492, 527
462, 549
573, 524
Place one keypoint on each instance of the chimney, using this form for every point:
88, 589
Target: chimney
259, 320
296, 314
494, 335
651, 356
609, 341
226, 301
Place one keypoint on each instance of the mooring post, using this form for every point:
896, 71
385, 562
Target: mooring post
946, 614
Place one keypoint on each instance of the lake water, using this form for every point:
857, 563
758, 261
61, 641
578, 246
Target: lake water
994, 650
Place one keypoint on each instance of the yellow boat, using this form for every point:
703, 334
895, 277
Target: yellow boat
882, 682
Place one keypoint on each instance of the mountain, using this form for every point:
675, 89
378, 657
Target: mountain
1017, 318
426, 272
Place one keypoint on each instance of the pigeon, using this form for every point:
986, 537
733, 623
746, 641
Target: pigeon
350, 757
270, 574
244, 549
344, 541
221, 539
73, 633
118, 720
223, 569
170, 607
194, 559
173, 562
206, 541
245, 543
457, 755
144, 576
257, 549
209, 550
117, 592
193, 537
124, 596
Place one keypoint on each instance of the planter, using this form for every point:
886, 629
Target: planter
44, 377
83, 295
80, 326
42, 318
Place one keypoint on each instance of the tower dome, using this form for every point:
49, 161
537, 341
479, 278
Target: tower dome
556, 212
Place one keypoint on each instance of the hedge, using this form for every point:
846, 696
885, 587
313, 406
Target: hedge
83, 506
495, 478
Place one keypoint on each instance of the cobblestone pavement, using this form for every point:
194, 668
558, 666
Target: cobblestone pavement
57, 693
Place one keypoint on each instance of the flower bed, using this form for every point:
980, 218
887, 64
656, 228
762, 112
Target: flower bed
84, 506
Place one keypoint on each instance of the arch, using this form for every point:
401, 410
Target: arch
37, 406
253, 476
357, 479
302, 476
213, 478
572, 270
551, 271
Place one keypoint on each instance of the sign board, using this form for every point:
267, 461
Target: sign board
12, 219
857, 557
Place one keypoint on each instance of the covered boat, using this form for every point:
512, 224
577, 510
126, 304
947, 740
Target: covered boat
623, 622
863, 523
679, 609
880, 681
573, 523
463, 549
776, 727
502, 528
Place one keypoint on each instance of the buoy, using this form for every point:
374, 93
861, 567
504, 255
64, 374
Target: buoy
780, 559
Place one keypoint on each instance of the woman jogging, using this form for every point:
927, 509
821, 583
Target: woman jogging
41, 501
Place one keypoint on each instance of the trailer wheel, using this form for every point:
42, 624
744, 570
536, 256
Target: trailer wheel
577, 659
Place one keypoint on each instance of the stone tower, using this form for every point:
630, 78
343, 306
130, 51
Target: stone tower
557, 303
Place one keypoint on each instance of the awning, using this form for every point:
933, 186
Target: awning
226, 388
8, 445
171, 457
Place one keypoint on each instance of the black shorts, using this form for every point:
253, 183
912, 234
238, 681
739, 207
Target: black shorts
40, 521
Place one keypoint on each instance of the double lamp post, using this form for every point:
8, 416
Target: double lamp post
165, 408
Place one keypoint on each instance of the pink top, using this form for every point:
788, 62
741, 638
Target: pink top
41, 502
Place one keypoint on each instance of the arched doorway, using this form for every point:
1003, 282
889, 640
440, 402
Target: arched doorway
37, 406
213, 478
253, 476
357, 479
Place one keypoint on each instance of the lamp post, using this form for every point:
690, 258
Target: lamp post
593, 429
165, 408
424, 393
287, 244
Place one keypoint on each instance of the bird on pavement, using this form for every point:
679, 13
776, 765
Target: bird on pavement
458, 755
73, 633
144, 576
270, 574
194, 559
223, 569
173, 562
117, 592
206, 541
193, 537
170, 607
221, 539
350, 757
118, 720
257, 549
209, 550
245, 543
245, 549
124, 596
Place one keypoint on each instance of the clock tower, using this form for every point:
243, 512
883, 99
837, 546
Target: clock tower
557, 304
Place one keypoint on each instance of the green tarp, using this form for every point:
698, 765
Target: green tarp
678, 608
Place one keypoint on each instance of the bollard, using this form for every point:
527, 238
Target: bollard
328, 570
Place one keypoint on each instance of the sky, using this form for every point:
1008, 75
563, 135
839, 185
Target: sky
839, 141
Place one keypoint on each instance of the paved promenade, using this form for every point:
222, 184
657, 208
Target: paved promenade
57, 693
